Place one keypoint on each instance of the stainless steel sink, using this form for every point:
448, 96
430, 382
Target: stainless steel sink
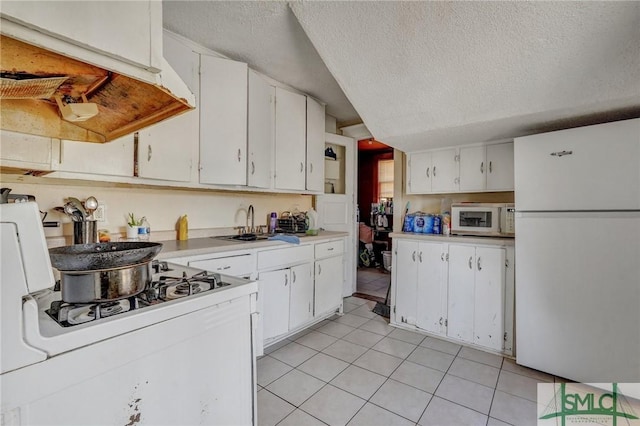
243, 237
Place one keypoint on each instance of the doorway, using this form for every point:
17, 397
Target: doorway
375, 204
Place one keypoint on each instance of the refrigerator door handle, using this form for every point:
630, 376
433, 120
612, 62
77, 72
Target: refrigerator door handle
561, 153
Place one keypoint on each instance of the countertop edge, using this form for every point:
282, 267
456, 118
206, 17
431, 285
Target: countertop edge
172, 249
454, 238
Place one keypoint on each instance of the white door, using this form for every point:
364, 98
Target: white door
291, 117
328, 284
274, 291
223, 121
432, 287
301, 295
500, 167
165, 149
586, 168
488, 322
577, 295
260, 131
461, 292
444, 170
473, 168
336, 212
419, 179
405, 273
315, 145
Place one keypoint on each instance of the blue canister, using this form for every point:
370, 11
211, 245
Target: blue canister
437, 224
428, 224
418, 223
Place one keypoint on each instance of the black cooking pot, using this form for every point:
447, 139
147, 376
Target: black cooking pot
102, 256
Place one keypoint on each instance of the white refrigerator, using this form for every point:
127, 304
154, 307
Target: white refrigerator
577, 198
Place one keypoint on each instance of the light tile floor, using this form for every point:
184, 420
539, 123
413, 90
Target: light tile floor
355, 369
373, 281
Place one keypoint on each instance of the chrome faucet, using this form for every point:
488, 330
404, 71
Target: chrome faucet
252, 213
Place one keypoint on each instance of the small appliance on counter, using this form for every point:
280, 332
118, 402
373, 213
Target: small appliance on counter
483, 219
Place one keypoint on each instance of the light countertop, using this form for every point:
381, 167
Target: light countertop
206, 245
454, 238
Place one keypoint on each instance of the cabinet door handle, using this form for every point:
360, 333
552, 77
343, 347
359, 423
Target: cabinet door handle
310, 167
286, 280
490, 166
440, 321
479, 267
482, 167
301, 167
330, 249
471, 262
442, 256
428, 171
561, 153
294, 277
149, 152
420, 257
413, 256
434, 171
239, 155
319, 269
253, 167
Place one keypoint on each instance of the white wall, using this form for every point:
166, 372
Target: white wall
206, 210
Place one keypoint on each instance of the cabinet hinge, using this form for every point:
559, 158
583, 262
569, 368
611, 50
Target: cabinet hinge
446, 322
505, 336
394, 309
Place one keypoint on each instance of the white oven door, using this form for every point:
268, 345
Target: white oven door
192, 369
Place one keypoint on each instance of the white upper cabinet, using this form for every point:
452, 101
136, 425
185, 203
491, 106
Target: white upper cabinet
586, 168
127, 31
444, 170
260, 132
112, 159
223, 121
486, 167
500, 167
432, 171
315, 145
166, 149
28, 152
290, 140
418, 173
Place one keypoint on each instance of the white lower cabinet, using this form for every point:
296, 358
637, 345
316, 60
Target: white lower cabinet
300, 295
461, 291
328, 283
274, 291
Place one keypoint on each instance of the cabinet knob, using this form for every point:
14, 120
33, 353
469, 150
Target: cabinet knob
310, 167
286, 280
301, 167
561, 153
428, 171
319, 269
420, 257
253, 167
294, 277
413, 256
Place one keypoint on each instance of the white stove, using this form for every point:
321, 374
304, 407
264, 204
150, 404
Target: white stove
189, 334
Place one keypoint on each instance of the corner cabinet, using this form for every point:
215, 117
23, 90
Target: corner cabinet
472, 168
223, 121
291, 136
463, 291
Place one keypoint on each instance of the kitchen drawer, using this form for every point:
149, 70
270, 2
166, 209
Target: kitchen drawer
240, 265
331, 248
269, 259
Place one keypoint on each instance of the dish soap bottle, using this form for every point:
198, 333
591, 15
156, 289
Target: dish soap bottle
183, 228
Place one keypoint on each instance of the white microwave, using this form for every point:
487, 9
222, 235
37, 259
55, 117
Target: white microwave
489, 219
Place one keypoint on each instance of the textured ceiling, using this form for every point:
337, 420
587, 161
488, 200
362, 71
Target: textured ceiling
428, 74
265, 35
